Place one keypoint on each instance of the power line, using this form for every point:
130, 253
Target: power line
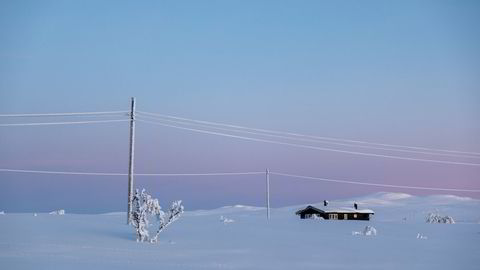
62, 123
309, 136
64, 173
199, 174
125, 174
242, 173
62, 114
311, 147
310, 140
373, 184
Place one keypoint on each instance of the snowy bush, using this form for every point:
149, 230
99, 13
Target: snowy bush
226, 220
145, 207
2, 212
60, 212
436, 218
422, 237
367, 231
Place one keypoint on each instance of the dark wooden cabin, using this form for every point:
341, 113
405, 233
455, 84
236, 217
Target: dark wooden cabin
335, 214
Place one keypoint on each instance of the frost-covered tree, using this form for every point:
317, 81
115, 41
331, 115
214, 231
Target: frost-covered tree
145, 207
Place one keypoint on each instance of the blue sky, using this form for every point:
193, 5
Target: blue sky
401, 72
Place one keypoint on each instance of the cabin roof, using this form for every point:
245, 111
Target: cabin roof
309, 208
336, 210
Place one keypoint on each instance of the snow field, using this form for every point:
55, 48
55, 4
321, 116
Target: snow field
198, 240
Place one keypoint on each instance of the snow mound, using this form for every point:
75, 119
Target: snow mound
392, 196
436, 218
226, 210
114, 214
448, 199
60, 212
384, 198
2, 212
243, 207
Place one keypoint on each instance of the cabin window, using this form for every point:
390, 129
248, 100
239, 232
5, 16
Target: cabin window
345, 216
354, 215
332, 216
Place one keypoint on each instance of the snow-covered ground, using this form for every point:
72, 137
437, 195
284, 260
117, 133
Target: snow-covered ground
202, 240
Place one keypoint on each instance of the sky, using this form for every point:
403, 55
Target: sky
394, 72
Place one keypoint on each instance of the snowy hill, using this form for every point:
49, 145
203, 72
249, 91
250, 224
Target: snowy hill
201, 240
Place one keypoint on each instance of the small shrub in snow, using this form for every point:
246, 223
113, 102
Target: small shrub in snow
226, 220
436, 218
367, 231
144, 207
60, 212
422, 237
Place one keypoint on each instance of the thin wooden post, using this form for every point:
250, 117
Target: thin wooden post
130, 161
267, 178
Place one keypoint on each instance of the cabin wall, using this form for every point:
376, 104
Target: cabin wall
348, 216
309, 214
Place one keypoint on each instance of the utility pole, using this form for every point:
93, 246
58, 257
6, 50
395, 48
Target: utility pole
130, 161
267, 178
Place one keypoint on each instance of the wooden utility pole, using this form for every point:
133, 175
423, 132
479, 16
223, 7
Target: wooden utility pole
267, 178
130, 161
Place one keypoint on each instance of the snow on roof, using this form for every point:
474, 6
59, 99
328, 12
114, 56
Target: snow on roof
349, 210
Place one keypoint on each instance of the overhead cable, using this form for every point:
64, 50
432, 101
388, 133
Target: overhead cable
125, 174
373, 184
62, 114
309, 136
245, 173
308, 139
63, 123
311, 147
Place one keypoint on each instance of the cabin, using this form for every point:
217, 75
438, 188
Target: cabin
344, 213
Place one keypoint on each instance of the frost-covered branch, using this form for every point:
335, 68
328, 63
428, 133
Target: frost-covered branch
144, 206
166, 219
